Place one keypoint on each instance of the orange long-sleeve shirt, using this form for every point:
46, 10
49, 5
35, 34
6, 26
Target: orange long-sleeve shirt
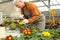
32, 8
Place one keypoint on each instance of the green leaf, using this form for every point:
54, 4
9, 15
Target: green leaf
12, 25
58, 29
3, 39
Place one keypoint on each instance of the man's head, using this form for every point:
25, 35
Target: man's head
19, 4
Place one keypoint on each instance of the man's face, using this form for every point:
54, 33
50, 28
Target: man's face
19, 4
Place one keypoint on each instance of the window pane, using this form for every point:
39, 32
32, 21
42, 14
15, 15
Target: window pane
54, 2
58, 6
43, 8
58, 1
53, 7
39, 3
46, 8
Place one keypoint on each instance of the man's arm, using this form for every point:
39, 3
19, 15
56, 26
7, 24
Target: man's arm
34, 12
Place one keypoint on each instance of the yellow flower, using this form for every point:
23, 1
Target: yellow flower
46, 34
52, 12
29, 33
21, 23
12, 20
10, 38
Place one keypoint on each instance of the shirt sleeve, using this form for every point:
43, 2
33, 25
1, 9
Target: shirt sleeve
34, 12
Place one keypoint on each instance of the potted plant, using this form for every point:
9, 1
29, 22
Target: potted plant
12, 26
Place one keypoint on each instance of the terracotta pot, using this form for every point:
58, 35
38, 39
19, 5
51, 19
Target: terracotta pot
21, 30
2, 25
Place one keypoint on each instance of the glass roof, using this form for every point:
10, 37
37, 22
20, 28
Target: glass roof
54, 4
39, 3
43, 8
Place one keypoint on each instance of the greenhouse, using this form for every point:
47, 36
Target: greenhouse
29, 19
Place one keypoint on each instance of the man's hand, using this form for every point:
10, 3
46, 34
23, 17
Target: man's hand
25, 20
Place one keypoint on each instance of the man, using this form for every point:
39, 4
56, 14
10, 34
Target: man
31, 14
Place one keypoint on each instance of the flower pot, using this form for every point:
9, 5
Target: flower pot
22, 30
12, 26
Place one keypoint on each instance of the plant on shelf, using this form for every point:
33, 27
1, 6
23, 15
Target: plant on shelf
34, 34
12, 26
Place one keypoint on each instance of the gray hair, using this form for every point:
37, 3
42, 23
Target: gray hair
17, 1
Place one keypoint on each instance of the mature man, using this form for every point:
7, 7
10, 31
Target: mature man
31, 14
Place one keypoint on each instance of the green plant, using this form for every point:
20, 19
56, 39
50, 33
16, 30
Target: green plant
34, 33
12, 26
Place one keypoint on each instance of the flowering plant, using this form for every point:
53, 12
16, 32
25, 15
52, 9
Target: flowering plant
34, 33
